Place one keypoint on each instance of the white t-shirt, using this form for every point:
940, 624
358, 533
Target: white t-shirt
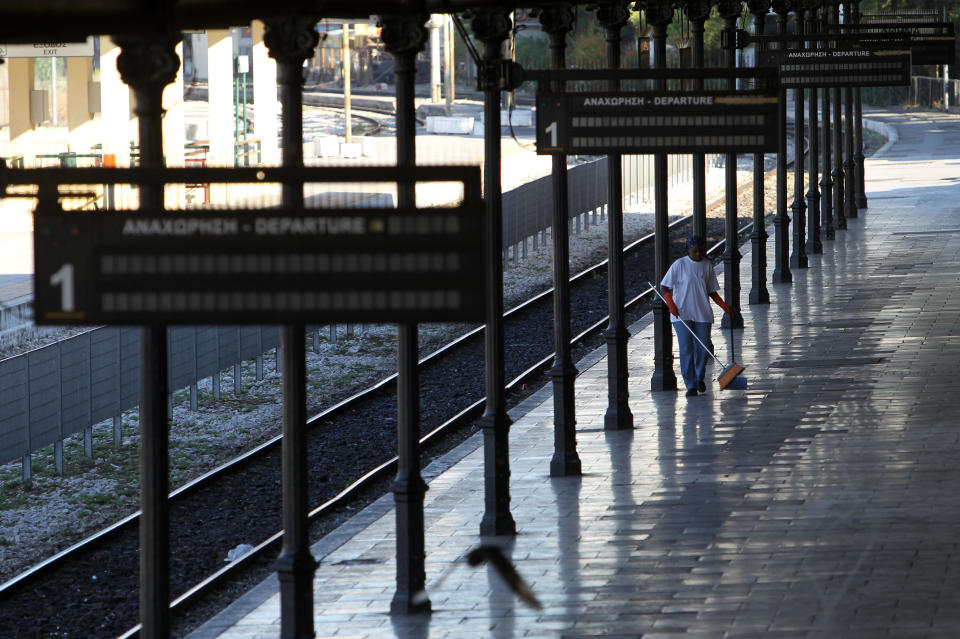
691, 284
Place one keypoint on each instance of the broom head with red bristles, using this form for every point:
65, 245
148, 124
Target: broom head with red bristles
729, 378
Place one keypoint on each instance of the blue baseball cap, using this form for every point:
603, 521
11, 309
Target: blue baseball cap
694, 240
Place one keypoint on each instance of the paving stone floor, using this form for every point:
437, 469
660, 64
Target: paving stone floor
823, 501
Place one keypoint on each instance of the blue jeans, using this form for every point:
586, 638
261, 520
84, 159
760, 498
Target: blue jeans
693, 356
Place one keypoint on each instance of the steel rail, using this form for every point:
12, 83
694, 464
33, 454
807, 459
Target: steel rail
199, 482
465, 415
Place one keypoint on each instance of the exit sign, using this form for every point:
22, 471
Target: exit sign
48, 50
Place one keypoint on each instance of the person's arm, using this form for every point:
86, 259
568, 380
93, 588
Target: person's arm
715, 296
668, 295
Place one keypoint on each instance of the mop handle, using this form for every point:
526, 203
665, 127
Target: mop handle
687, 327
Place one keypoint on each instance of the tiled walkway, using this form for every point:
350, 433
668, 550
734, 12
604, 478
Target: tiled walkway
824, 501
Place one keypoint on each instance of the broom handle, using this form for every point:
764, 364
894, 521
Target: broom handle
688, 328
733, 359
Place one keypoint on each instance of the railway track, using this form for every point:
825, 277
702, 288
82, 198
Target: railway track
208, 516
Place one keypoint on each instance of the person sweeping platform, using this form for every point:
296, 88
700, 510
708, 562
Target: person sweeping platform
688, 286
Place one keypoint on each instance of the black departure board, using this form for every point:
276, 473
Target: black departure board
260, 266
826, 68
931, 41
650, 122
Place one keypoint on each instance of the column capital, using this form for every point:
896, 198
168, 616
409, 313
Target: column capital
729, 9
491, 25
556, 19
612, 15
290, 40
697, 10
658, 12
148, 63
782, 7
403, 36
759, 8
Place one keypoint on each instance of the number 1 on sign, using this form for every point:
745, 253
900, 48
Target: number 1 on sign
64, 279
552, 130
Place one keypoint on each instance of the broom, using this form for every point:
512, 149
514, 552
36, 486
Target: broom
728, 377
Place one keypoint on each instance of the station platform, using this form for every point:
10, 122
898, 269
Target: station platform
823, 501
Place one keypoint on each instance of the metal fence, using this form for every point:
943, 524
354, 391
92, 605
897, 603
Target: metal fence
528, 209
64, 388
934, 93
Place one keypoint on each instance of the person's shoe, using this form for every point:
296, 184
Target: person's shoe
691, 392
702, 387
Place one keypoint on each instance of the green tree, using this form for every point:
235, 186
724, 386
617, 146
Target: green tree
532, 50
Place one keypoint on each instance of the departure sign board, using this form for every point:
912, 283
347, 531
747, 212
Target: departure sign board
259, 266
930, 42
647, 122
804, 68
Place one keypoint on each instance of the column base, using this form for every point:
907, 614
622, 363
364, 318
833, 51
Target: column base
565, 465
734, 321
618, 417
782, 276
663, 381
295, 572
407, 604
498, 525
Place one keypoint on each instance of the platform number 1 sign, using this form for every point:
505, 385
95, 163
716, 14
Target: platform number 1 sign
552, 130
65, 280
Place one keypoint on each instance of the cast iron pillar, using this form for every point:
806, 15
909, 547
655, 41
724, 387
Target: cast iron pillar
850, 186
838, 175
814, 243
404, 38
659, 13
826, 182
614, 16
492, 26
730, 11
557, 21
697, 13
799, 257
290, 40
781, 223
858, 157
758, 238
147, 64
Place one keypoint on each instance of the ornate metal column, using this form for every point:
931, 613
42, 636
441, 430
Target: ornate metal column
814, 244
799, 257
758, 238
404, 38
557, 21
826, 182
290, 40
839, 199
659, 13
730, 11
781, 223
492, 26
147, 64
613, 16
697, 13
850, 186
858, 157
